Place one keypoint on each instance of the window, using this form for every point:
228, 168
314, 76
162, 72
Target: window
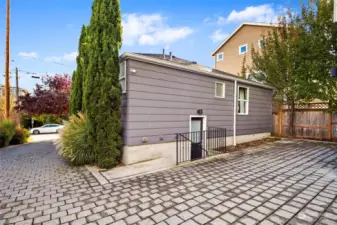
260, 43
219, 57
243, 49
243, 99
122, 76
219, 90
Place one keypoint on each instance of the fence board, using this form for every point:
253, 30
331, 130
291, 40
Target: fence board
311, 121
275, 125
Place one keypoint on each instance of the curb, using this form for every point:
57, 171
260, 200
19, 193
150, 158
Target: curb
95, 171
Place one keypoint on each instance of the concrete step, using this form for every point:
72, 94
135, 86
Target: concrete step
137, 169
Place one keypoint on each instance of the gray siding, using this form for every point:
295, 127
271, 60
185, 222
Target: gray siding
259, 118
160, 101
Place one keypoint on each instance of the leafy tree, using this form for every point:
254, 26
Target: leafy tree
78, 76
244, 69
101, 89
52, 97
297, 55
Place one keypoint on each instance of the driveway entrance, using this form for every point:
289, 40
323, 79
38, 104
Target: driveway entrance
280, 183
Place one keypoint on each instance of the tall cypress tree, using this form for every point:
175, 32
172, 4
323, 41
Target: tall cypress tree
101, 89
78, 76
73, 93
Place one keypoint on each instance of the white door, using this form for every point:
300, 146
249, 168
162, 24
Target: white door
197, 137
196, 128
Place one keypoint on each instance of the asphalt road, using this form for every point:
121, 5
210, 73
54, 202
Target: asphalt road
43, 137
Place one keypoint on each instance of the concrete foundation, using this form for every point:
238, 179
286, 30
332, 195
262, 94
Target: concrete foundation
167, 151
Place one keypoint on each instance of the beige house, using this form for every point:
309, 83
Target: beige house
229, 56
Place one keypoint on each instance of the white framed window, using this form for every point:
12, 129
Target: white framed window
122, 76
220, 90
219, 57
243, 49
260, 43
243, 100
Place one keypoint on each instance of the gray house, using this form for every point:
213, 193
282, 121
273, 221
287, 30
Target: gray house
164, 95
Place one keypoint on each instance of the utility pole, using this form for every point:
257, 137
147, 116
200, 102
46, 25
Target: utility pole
17, 83
7, 95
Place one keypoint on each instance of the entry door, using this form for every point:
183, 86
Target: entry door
196, 137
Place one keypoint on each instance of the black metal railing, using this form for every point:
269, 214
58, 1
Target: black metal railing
198, 145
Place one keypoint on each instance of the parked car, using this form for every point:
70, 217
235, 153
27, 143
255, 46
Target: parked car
48, 128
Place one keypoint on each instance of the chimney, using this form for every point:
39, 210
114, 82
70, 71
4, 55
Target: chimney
171, 56
163, 53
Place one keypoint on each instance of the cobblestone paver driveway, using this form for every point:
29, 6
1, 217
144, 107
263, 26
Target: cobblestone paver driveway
287, 183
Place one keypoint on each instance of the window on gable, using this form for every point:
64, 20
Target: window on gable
260, 43
219, 57
243, 49
122, 77
219, 90
243, 101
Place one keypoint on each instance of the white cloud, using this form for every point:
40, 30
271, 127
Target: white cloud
66, 57
165, 36
70, 56
261, 13
219, 35
28, 54
151, 29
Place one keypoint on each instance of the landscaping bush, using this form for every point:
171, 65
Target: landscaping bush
7, 130
2, 140
74, 143
21, 136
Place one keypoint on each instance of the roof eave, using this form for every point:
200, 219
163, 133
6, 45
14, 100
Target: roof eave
181, 67
238, 28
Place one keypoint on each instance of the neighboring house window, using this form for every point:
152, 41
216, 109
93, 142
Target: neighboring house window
260, 43
243, 49
219, 57
220, 90
243, 101
122, 76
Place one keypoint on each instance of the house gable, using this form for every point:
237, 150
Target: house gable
239, 46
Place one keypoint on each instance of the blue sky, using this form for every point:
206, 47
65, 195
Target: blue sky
48, 30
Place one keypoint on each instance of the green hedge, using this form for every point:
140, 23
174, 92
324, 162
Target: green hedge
21, 136
74, 144
9, 135
7, 131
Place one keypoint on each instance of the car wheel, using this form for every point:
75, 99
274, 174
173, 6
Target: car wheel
58, 131
36, 132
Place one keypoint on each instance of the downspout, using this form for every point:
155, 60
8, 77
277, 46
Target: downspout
234, 115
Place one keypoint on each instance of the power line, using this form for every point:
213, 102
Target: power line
50, 61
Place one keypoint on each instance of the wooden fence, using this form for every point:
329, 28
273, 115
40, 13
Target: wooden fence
312, 121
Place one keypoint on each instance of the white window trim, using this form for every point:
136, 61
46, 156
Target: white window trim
223, 90
259, 43
241, 53
237, 102
204, 122
124, 77
217, 57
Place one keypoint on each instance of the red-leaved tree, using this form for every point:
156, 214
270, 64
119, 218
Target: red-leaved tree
52, 97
